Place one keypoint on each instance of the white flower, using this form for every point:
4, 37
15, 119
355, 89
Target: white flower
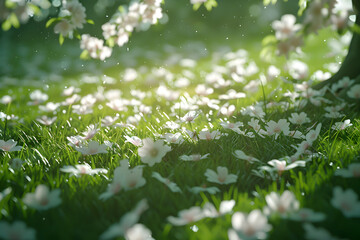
136, 141
197, 1
312, 233
299, 119
171, 185
346, 201
38, 97
353, 170
9, 146
152, 152
46, 120
128, 221
190, 116
186, 216
233, 126
124, 179
42, 198
90, 132
82, 169
16, 163
193, 157
64, 27
341, 125
206, 134
92, 148
286, 203
202, 90
252, 226
275, 128
222, 176
77, 12
6, 99
354, 92
138, 232
16, 230
307, 215
175, 138
241, 155
49, 107
75, 141
108, 121
298, 70
224, 208
281, 165
312, 135
286, 27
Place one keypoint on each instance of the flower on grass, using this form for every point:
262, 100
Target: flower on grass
254, 124
205, 134
275, 128
307, 215
16, 230
312, 135
136, 141
299, 119
49, 107
171, 185
82, 169
138, 232
127, 222
90, 132
353, 170
5, 192
75, 141
9, 146
124, 179
354, 92
107, 121
341, 125
46, 120
233, 126
204, 188
222, 176
193, 157
241, 155
92, 148
224, 208
282, 204
152, 152
346, 201
313, 233
252, 226
175, 138
190, 116
42, 198
281, 165
186, 216
16, 163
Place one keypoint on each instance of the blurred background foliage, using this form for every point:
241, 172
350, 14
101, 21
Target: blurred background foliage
233, 24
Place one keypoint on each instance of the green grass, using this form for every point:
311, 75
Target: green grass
82, 215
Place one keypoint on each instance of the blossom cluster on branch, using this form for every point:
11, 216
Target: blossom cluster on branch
289, 35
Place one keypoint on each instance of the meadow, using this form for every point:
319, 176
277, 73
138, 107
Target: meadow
194, 139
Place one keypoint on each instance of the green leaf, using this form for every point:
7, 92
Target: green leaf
110, 42
14, 20
84, 55
121, 9
196, 6
61, 39
77, 35
268, 40
90, 21
210, 4
267, 2
51, 21
6, 25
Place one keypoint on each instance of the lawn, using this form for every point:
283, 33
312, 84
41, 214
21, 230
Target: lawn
178, 138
